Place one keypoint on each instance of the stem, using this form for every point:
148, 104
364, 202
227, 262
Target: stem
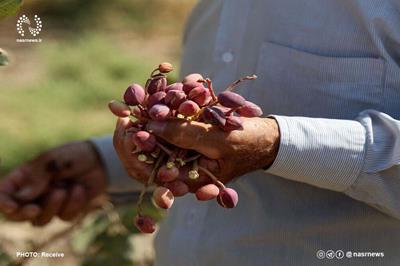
182, 153
141, 107
148, 183
132, 130
152, 72
174, 154
210, 87
136, 150
231, 111
147, 85
234, 84
156, 153
195, 157
212, 176
165, 149
195, 166
144, 115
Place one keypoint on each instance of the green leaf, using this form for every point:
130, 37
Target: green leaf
93, 226
9, 7
3, 58
5, 258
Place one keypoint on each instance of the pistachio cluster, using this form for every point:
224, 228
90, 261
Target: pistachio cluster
176, 171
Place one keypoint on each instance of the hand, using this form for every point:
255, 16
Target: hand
61, 181
236, 152
141, 171
124, 146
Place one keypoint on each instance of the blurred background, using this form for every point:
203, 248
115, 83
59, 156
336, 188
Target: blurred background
57, 91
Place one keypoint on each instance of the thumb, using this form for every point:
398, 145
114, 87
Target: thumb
32, 183
184, 134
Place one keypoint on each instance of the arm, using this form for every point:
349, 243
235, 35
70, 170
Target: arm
63, 181
58, 182
118, 179
357, 157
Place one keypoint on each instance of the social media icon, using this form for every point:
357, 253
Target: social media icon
339, 254
349, 254
320, 254
330, 254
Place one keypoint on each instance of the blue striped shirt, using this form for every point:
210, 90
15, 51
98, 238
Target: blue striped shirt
329, 73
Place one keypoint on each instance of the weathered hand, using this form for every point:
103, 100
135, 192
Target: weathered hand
124, 146
236, 152
140, 171
61, 181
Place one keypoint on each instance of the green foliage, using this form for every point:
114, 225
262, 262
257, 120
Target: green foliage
141, 17
83, 62
104, 236
5, 258
70, 102
3, 57
9, 7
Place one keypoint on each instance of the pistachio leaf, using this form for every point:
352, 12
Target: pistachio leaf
9, 7
3, 58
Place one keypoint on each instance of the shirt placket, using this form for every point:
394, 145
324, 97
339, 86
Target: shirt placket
229, 40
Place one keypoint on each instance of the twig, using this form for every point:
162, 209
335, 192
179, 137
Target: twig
212, 176
234, 84
148, 183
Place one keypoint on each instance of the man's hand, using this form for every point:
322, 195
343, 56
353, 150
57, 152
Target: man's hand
59, 182
124, 146
141, 171
236, 152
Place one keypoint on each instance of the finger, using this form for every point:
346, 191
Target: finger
184, 134
124, 123
214, 166
25, 213
127, 143
52, 205
13, 180
7, 204
120, 131
70, 160
7, 187
119, 108
210, 164
35, 184
28, 182
142, 170
75, 204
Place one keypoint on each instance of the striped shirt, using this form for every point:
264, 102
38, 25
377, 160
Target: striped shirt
329, 73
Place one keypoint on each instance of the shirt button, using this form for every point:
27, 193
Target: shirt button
227, 57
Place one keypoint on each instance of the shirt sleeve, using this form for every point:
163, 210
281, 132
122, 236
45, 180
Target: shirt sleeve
358, 157
118, 179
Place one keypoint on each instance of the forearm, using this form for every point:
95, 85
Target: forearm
343, 155
118, 179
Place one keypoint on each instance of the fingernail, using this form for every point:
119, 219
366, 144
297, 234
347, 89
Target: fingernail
156, 127
24, 193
